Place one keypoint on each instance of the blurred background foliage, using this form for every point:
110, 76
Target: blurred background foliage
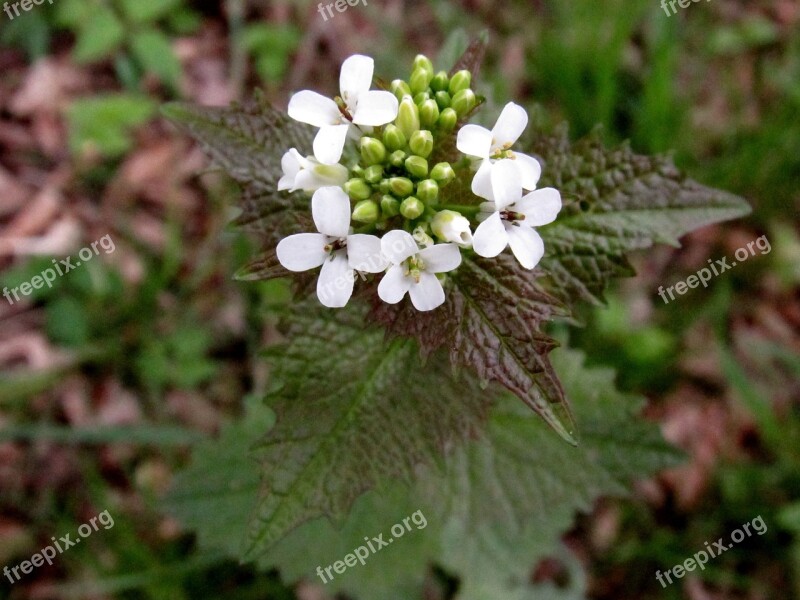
112, 375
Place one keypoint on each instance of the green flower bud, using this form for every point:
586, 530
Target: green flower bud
373, 174
383, 186
401, 186
463, 102
428, 191
428, 114
421, 236
357, 170
357, 189
393, 138
372, 150
423, 62
397, 158
411, 208
390, 206
440, 81
447, 120
408, 117
460, 81
420, 79
400, 88
442, 173
417, 166
421, 143
421, 97
366, 211
442, 100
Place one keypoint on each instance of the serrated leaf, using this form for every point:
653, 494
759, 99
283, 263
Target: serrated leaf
353, 411
498, 508
492, 322
616, 202
247, 142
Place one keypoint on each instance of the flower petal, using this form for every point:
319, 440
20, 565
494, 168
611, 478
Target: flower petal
318, 176
397, 245
526, 245
530, 170
540, 207
510, 125
506, 183
426, 294
313, 108
375, 108
336, 279
355, 78
329, 143
474, 140
364, 253
330, 207
482, 181
302, 251
394, 285
490, 238
440, 258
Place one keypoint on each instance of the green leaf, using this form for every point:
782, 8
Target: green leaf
247, 142
146, 11
99, 36
499, 506
154, 52
353, 412
101, 123
615, 202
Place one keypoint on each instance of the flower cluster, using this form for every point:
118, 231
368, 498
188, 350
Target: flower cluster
378, 187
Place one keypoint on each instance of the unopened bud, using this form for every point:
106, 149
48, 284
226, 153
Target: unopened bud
460, 81
421, 97
421, 236
390, 206
450, 226
383, 186
428, 114
357, 189
366, 211
463, 102
411, 208
421, 143
428, 191
423, 62
447, 120
393, 138
401, 186
372, 150
420, 79
408, 117
442, 100
417, 166
400, 88
440, 81
442, 173
373, 174
397, 158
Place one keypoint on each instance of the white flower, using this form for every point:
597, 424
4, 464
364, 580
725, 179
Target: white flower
511, 220
413, 270
361, 107
338, 251
451, 226
308, 174
493, 146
